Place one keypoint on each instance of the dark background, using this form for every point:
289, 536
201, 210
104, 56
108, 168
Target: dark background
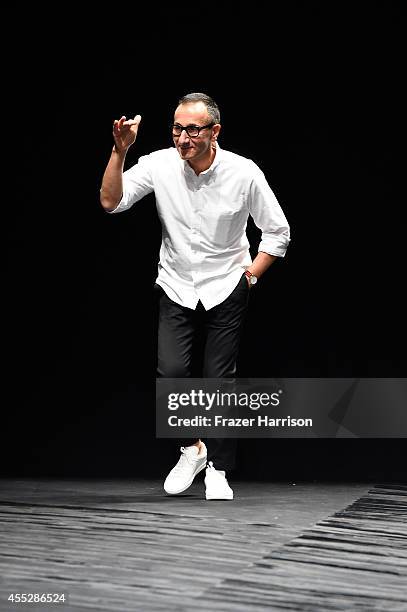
311, 91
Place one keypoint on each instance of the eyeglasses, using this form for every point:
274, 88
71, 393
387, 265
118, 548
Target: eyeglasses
192, 130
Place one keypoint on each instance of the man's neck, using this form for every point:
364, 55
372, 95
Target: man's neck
203, 164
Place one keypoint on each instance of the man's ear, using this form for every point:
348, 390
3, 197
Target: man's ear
216, 130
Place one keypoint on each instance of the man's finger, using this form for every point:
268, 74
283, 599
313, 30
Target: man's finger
131, 122
117, 123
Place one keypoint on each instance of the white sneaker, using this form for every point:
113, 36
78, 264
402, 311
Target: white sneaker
189, 465
217, 486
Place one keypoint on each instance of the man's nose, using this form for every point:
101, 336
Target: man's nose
183, 137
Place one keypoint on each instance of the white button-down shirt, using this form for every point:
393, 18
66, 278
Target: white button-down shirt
204, 248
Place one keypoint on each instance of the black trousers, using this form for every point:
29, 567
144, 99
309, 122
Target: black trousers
221, 326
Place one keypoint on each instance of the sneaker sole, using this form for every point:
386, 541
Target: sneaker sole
220, 497
189, 483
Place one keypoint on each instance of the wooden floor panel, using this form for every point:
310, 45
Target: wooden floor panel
122, 545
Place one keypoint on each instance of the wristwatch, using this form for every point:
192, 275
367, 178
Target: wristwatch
251, 277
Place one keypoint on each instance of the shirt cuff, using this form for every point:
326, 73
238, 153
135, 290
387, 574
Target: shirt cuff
271, 246
119, 208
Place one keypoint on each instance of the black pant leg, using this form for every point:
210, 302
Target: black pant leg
224, 325
176, 328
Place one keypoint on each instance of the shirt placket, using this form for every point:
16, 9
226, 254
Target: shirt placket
196, 255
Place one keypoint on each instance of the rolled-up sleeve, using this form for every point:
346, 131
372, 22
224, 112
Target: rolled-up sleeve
137, 183
268, 216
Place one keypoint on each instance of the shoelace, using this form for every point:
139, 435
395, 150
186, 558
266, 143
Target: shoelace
182, 460
214, 472
210, 466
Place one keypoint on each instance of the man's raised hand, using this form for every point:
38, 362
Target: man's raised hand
125, 132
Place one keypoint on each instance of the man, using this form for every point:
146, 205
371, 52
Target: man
204, 196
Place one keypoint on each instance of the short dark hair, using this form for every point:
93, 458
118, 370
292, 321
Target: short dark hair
212, 107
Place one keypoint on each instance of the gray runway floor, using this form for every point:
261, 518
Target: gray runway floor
122, 545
